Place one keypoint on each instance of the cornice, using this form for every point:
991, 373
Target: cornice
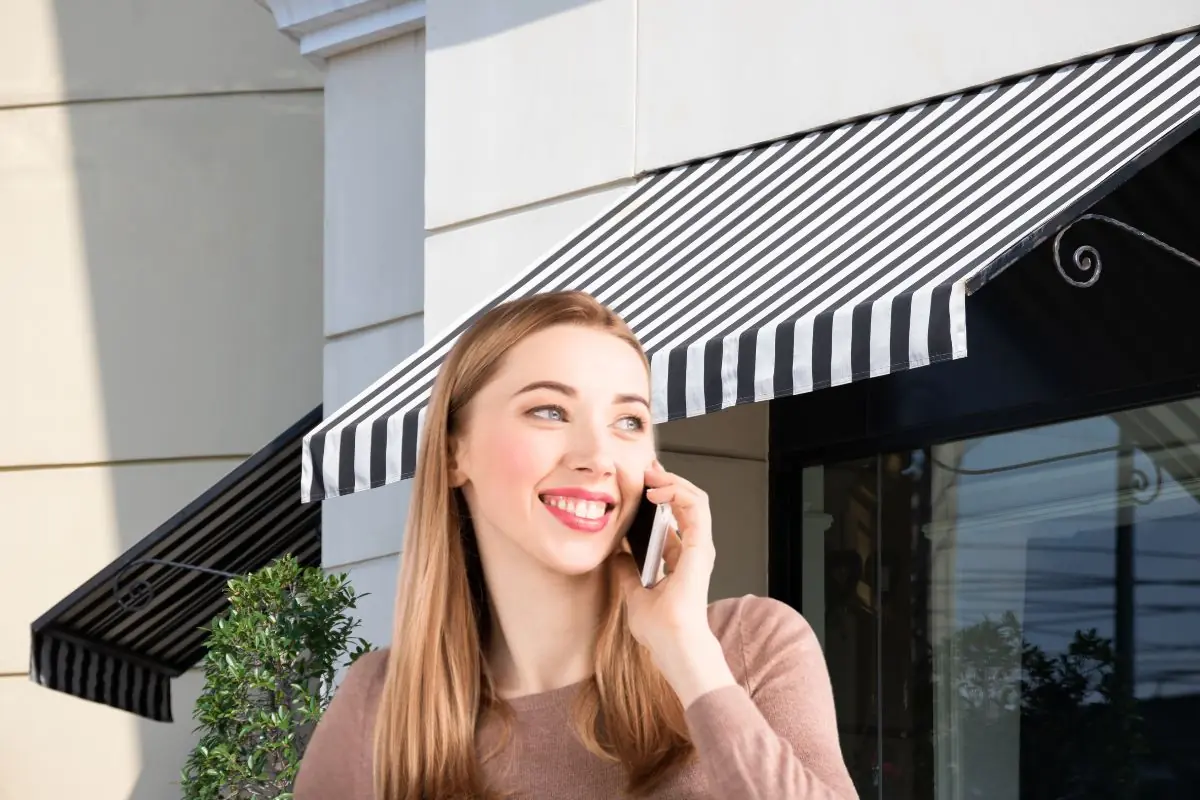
325, 28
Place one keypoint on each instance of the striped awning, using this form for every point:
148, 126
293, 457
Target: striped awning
1168, 435
120, 637
830, 257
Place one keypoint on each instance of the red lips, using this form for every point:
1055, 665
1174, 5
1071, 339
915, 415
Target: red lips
580, 493
577, 523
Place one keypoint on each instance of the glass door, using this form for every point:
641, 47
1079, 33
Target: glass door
1016, 615
840, 594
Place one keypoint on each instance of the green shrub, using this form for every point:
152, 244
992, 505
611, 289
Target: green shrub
268, 679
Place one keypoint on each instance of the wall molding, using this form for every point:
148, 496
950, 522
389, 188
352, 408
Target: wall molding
325, 28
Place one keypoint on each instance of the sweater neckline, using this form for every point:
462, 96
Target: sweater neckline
552, 698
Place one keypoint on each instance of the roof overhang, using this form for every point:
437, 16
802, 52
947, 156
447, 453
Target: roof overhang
325, 28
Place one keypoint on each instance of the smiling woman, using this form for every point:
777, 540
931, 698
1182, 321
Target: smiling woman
528, 658
561, 431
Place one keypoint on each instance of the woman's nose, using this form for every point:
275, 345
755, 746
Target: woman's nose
590, 450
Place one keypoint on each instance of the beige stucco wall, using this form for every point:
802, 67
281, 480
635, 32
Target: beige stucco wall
160, 302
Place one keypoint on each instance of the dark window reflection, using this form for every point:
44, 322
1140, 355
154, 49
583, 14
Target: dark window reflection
842, 536
1015, 616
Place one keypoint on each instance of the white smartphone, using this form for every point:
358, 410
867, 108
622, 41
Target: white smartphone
664, 520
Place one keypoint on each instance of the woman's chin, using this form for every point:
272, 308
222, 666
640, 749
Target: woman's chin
574, 562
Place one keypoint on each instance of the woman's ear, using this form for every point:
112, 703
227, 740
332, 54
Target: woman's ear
457, 474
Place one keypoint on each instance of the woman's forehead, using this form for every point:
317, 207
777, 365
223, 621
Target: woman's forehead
585, 359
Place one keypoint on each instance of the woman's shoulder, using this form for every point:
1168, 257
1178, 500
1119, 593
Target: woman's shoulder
337, 761
363, 680
757, 632
370, 667
751, 613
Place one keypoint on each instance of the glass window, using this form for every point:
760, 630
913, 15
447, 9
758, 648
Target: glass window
1015, 615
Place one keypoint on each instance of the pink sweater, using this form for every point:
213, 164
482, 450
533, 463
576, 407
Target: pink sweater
774, 737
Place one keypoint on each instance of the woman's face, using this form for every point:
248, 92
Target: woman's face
553, 452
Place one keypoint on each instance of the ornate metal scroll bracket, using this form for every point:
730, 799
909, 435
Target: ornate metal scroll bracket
1087, 258
1142, 490
135, 595
1144, 486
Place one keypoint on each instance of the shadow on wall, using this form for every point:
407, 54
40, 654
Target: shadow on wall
473, 21
181, 249
185, 241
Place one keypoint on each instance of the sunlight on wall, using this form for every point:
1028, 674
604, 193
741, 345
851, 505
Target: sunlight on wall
56, 746
46, 315
30, 67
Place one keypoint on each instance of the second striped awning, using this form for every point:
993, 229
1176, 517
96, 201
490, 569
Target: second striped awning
830, 257
140, 621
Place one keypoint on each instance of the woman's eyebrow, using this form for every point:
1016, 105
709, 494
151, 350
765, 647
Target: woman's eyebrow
570, 391
553, 386
631, 398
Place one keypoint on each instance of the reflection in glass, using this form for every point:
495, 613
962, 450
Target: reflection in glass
1017, 615
840, 539
1049, 652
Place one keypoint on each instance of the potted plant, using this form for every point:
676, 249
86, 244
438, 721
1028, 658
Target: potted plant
269, 676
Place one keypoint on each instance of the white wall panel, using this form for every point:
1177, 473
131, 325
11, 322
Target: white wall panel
377, 578
365, 525
525, 101
468, 264
715, 75
374, 184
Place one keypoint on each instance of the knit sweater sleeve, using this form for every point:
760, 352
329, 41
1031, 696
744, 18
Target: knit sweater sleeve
337, 762
774, 737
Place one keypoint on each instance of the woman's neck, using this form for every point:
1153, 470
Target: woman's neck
544, 629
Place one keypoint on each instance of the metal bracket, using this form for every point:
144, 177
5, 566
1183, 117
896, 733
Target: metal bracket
139, 593
1087, 258
1144, 488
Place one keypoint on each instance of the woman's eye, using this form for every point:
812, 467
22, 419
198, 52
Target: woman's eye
631, 423
551, 413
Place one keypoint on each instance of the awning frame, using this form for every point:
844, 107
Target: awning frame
140, 593
1086, 257
1076, 212
131, 599
68, 659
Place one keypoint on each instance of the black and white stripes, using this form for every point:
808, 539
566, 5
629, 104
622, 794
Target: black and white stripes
1168, 435
80, 670
823, 259
92, 646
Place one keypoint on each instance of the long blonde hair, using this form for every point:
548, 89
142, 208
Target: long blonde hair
437, 686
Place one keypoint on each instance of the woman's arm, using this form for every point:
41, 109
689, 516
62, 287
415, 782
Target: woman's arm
777, 738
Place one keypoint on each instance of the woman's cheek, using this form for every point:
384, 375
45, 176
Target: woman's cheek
518, 458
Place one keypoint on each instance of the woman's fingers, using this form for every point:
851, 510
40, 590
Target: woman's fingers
672, 549
696, 552
682, 497
690, 505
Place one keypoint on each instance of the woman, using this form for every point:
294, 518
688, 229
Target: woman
527, 658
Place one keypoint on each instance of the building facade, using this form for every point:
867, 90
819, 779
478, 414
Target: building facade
464, 141
970, 539
160, 303
994, 545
